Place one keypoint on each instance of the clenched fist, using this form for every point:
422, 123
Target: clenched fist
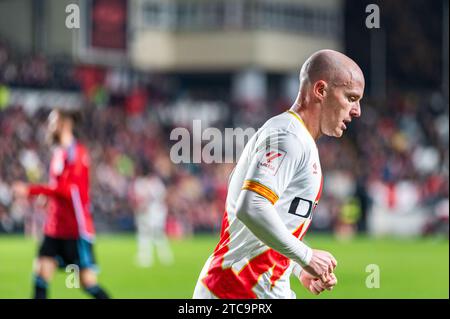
322, 264
316, 285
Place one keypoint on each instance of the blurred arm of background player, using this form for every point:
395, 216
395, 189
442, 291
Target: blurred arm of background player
260, 216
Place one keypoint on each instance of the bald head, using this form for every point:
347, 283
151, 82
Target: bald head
332, 67
331, 87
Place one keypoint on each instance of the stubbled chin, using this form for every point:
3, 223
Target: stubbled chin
337, 133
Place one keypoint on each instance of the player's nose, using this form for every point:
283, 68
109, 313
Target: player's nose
355, 110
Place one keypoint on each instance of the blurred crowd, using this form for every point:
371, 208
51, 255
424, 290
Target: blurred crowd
34, 70
121, 149
394, 157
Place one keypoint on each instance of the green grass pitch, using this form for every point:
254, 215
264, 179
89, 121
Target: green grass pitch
413, 268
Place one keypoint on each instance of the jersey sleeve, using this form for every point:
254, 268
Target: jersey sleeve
276, 159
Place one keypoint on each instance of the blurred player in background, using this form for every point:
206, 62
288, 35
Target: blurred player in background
69, 229
149, 197
275, 187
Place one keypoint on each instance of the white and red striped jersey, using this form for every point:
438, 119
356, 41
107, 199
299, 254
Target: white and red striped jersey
281, 163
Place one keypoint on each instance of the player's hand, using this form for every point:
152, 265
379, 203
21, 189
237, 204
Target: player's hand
322, 265
20, 189
315, 285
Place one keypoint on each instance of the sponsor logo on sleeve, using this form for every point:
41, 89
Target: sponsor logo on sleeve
271, 161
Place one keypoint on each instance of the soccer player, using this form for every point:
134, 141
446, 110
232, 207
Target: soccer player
149, 198
69, 228
275, 187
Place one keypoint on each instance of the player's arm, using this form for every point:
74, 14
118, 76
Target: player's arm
260, 216
73, 179
255, 205
42, 189
62, 188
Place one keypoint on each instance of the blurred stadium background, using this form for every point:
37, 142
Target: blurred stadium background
140, 68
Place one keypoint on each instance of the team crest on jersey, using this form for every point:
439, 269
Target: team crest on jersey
315, 168
272, 160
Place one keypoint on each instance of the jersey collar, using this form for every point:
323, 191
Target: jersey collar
297, 116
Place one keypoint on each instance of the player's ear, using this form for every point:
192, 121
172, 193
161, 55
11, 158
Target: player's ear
319, 89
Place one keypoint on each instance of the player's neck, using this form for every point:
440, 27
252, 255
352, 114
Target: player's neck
66, 139
310, 120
